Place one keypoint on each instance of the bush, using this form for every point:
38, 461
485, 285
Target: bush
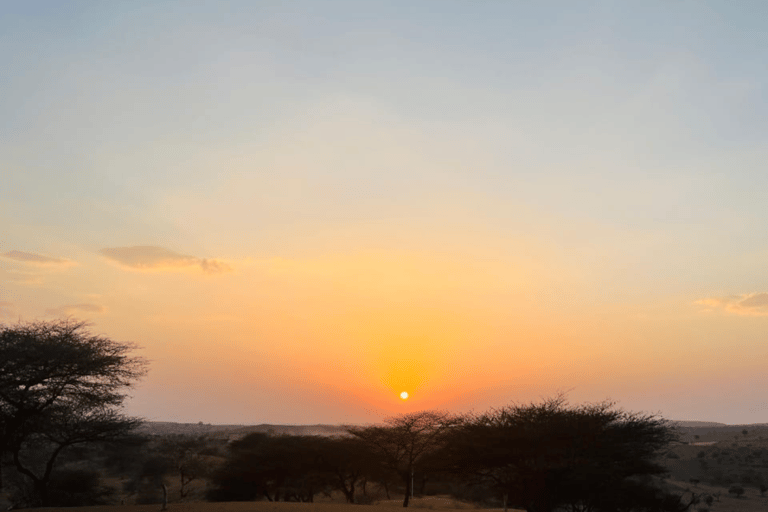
363, 499
78, 488
66, 488
736, 490
147, 483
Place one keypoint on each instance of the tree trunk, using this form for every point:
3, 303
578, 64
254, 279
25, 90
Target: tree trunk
40, 485
407, 490
165, 498
505, 501
41, 489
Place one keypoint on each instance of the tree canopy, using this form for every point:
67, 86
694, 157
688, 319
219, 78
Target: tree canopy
544, 456
404, 440
60, 385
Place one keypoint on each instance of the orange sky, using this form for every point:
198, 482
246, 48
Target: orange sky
298, 213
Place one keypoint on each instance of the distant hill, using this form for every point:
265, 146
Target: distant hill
163, 428
697, 424
705, 430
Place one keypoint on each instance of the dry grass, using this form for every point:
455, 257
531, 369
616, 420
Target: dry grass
431, 503
750, 502
435, 503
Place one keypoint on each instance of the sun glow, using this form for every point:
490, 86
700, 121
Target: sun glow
404, 395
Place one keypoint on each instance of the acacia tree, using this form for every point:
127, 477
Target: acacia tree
545, 456
184, 454
58, 428
60, 385
348, 464
404, 440
273, 467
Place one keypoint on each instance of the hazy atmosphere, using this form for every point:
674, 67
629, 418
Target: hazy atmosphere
301, 209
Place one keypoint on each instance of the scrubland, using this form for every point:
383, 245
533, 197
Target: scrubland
709, 462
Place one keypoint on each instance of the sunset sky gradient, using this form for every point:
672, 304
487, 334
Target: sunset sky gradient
300, 209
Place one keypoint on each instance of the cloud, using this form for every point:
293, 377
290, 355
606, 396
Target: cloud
35, 259
147, 257
214, 266
22, 277
751, 304
755, 300
73, 309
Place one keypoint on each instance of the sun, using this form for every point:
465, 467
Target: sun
404, 395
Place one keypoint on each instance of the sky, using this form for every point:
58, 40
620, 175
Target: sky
300, 209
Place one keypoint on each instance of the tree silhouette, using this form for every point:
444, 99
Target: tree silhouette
184, 454
347, 463
273, 467
544, 456
404, 440
60, 386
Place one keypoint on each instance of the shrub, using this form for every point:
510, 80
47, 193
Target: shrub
718, 477
736, 490
76, 488
362, 499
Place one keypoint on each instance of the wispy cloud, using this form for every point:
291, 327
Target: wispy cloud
21, 277
73, 309
147, 257
751, 304
35, 259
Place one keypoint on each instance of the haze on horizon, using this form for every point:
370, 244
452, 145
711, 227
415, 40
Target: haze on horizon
302, 209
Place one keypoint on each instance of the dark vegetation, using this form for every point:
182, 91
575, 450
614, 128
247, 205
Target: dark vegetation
60, 387
64, 442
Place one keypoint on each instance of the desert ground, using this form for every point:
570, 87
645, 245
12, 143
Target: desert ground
430, 503
751, 501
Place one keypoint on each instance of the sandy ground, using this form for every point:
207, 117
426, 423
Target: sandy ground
419, 504
751, 501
